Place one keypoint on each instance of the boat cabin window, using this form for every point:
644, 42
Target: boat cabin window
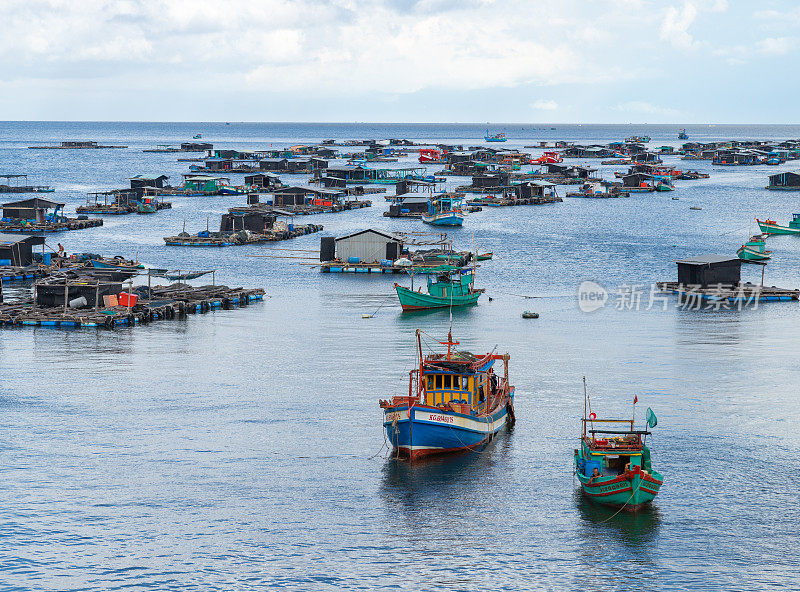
438, 382
464, 383
615, 465
430, 382
448, 382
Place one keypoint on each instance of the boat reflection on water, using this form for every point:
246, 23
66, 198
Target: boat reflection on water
434, 485
636, 530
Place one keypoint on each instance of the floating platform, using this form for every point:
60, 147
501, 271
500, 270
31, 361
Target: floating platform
510, 201
10, 273
306, 210
63, 225
164, 302
730, 293
229, 239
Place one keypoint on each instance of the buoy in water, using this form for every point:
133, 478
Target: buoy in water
366, 316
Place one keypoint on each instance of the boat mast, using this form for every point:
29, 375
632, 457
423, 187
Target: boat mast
419, 373
584, 408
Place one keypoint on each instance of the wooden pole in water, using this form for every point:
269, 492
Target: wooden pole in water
130, 291
149, 289
97, 296
66, 294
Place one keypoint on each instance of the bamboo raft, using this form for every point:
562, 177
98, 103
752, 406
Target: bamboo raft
174, 301
729, 293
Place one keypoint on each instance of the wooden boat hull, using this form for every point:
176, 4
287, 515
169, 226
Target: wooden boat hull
411, 300
98, 264
630, 491
421, 431
449, 219
746, 253
772, 228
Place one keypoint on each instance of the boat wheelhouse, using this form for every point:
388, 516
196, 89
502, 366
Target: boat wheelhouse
455, 403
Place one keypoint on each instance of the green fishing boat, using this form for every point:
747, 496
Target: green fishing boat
145, 208
664, 186
754, 249
614, 465
447, 286
772, 227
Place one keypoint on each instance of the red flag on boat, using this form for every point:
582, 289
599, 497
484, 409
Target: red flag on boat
635, 399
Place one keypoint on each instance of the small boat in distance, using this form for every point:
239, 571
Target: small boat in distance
495, 137
772, 227
485, 256
682, 135
614, 465
637, 139
444, 210
754, 249
455, 403
197, 136
447, 286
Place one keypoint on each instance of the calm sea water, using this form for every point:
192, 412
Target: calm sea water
242, 450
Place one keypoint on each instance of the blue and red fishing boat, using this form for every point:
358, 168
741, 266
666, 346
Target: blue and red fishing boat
455, 403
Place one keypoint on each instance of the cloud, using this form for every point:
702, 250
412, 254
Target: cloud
542, 105
775, 46
676, 23
324, 51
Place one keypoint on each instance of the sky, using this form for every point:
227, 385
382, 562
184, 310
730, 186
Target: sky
521, 61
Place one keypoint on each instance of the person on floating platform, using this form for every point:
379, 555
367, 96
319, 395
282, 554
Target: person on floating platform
61, 252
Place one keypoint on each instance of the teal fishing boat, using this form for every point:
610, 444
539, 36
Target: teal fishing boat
144, 207
772, 227
614, 465
664, 185
754, 249
447, 286
444, 210
495, 137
